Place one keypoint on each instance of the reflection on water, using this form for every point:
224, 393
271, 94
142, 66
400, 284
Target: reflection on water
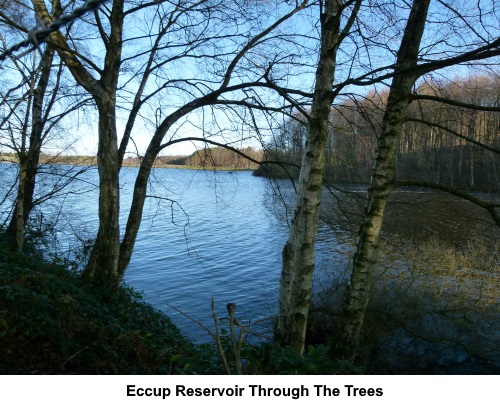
217, 240
220, 235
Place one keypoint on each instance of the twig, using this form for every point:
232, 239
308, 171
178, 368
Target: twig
192, 319
36, 36
217, 339
231, 307
73, 356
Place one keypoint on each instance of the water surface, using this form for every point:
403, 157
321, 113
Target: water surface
219, 235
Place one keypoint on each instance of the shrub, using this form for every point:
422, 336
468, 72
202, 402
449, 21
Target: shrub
51, 322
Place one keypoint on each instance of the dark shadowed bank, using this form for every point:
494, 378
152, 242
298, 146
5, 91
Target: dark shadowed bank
51, 322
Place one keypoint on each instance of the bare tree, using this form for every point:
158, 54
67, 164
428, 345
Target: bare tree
224, 93
33, 111
383, 174
298, 253
406, 72
215, 34
367, 68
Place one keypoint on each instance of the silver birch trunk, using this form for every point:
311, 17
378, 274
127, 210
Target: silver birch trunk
383, 178
298, 252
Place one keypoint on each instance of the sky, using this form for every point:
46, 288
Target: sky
292, 47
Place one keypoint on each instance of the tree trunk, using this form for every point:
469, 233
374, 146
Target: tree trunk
17, 222
136, 210
141, 182
28, 160
108, 259
298, 253
28, 168
102, 267
383, 178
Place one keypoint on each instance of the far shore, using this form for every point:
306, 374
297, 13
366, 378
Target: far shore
129, 162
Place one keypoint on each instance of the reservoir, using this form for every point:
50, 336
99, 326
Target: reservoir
219, 235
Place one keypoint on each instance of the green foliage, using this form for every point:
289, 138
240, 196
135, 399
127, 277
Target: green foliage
51, 322
39, 236
284, 360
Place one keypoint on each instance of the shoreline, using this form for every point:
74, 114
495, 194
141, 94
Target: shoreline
92, 161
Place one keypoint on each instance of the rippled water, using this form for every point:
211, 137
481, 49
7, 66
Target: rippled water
219, 239
220, 235
204, 234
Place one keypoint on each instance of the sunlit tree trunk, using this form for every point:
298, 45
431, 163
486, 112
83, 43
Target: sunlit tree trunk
103, 264
102, 267
29, 153
298, 253
383, 177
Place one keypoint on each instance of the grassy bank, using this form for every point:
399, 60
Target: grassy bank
51, 322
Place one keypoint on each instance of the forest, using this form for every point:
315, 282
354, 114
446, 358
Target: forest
328, 94
439, 143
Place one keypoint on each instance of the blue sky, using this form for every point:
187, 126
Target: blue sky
292, 48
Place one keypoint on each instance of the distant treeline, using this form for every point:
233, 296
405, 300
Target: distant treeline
218, 157
54, 159
444, 142
209, 158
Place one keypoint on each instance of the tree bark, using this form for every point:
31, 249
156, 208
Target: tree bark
102, 267
29, 155
298, 252
103, 263
383, 178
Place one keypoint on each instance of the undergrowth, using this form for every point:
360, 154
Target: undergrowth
52, 322
434, 309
